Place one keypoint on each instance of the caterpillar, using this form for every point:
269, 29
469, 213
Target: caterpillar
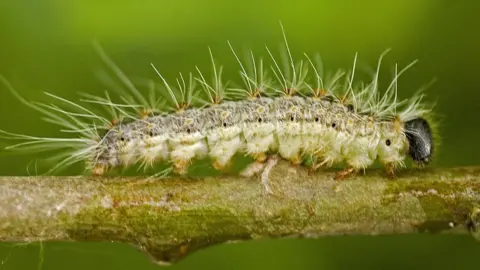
293, 113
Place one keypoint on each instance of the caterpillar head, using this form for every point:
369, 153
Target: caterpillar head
420, 140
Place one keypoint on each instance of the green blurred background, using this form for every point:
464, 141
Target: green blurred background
45, 45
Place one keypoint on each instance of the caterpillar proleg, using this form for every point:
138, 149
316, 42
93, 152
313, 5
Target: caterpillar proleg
286, 109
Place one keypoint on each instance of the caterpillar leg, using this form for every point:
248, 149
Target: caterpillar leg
222, 165
316, 164
98, 170
263, 166
390, 169
219, 166
181, 166
271, 162
296, 160
346, 173
261, 157
320, 162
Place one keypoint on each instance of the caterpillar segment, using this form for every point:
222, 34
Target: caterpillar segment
292, 113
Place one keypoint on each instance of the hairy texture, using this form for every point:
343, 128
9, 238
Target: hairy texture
294, 127
291, 113
169, 219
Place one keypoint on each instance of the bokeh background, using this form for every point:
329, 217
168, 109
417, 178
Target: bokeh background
46, 45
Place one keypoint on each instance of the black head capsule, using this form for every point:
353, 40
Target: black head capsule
420, 140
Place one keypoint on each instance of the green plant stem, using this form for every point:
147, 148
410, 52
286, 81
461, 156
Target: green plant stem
169, 218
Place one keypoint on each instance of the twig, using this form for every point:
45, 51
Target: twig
169, 218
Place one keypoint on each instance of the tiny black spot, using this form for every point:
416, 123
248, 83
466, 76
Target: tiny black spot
317, 119
292, 118
259, 120
334, 125
188, 130
150, 133
388, 142
122, 139
224, 124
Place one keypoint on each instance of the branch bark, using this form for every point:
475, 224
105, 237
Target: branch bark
169, 218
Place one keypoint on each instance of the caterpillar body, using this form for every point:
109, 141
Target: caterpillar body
292, 116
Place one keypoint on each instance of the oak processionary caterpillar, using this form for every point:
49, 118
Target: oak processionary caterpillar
294, 113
